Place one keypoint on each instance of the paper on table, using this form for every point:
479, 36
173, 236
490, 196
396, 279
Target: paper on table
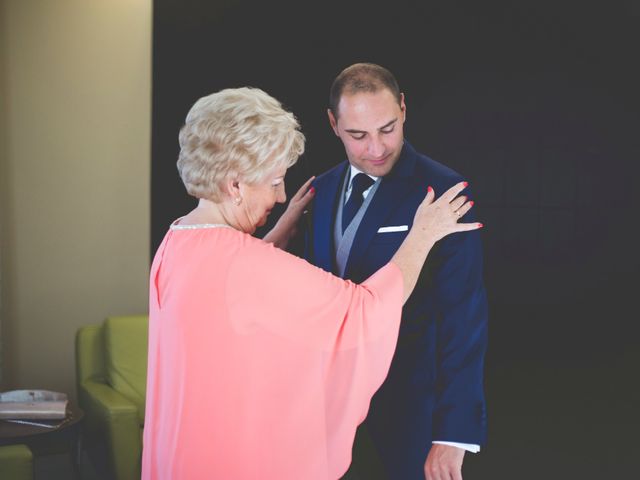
35, 404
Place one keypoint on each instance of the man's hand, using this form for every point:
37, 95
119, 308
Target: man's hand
444, 463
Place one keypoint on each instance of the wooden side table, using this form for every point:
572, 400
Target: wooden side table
65, 437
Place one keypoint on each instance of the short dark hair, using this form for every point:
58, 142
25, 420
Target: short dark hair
362, 77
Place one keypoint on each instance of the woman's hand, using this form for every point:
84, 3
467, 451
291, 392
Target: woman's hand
299, 202
286, 227
439, 218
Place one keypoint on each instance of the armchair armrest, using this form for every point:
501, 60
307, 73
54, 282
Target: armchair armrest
108, 411
102, 401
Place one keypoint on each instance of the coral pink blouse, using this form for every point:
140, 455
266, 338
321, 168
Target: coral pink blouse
261, 365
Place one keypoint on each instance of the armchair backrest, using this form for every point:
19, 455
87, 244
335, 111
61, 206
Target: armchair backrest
115, 353
90, 355
125, 349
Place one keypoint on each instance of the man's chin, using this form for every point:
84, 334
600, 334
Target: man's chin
381, 167
379, 170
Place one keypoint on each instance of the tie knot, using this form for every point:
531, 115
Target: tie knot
360, 183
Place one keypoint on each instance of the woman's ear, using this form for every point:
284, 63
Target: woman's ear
232, 186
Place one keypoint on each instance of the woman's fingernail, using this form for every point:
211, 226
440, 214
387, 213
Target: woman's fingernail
429, 189
480, 225
471, 203
312, 190
466, 184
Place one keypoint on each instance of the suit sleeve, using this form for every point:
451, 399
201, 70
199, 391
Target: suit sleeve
460, 413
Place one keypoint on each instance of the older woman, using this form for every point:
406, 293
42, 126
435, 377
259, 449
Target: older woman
260, 365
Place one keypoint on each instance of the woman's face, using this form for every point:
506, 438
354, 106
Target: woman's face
258, 199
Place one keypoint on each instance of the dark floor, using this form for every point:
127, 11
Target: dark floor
563, 423
59, 467
545, 422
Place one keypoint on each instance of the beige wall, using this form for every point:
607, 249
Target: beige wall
3, 174
75, 162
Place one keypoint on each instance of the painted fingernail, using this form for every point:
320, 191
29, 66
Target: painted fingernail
429, 189
480, 225
466, 184
312, 190
471, 203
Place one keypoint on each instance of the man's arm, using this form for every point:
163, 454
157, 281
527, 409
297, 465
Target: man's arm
459, 414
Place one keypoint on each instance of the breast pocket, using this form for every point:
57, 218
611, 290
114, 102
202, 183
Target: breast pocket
390, 237
381, 248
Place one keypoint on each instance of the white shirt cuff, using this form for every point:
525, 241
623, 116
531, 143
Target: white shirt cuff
469, 447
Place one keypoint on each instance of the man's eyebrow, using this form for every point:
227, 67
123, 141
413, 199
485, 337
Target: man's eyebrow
386, 125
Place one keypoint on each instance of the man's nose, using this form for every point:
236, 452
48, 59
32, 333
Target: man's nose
376, 147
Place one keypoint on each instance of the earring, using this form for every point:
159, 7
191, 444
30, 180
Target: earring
237, 200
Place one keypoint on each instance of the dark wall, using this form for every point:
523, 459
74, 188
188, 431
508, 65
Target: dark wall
537, 103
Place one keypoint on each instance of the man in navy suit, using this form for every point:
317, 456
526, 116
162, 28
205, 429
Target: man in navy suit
431, 408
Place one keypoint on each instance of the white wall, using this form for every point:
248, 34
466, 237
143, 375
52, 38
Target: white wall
76, 87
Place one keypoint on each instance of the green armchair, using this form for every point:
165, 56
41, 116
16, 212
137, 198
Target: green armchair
111, 375
16, 462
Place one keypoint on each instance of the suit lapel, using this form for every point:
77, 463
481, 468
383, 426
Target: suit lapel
394, 188
323, 216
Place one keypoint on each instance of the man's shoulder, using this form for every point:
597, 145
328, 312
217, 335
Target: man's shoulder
331, 174
439, 175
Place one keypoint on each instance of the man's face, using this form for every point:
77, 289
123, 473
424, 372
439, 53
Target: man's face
370, 126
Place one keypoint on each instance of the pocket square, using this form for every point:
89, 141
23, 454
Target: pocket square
396, 228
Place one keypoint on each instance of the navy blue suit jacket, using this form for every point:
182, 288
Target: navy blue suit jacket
434, 390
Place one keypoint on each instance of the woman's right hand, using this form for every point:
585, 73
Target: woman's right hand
287, 225
438, 218
433, 220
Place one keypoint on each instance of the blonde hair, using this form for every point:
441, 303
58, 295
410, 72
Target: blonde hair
239, 132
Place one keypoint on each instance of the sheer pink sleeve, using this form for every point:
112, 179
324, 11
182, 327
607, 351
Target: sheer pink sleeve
354, 326
260, 364
269, 289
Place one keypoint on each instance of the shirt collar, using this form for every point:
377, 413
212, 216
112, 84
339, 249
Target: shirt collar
354, 171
